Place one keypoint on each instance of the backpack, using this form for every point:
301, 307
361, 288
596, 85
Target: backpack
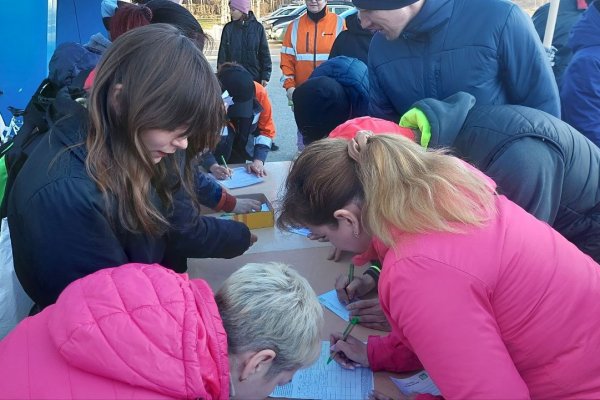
69, 67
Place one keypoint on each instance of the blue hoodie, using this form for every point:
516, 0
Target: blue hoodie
580, 91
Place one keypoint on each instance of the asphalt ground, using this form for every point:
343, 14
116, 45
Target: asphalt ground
283, 117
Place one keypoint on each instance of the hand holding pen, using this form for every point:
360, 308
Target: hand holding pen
349, 288
348, 351
229, 170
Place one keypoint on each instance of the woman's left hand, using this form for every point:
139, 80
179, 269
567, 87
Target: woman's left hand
257, 167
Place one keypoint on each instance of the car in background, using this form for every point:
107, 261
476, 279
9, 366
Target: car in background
291, 13
277, 30
280, 12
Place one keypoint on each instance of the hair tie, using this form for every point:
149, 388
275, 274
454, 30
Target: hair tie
147, 12
358, 144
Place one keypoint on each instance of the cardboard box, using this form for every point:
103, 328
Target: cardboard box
253, 220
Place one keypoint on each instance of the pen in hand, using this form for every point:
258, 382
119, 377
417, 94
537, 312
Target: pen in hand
353, 322
350, 279
225, 164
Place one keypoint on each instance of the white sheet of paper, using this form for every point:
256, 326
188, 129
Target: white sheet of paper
300, 231
418, 383
327, 381
240, 178
331, 301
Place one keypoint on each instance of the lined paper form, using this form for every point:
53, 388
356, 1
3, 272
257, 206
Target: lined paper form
300, 231
239, 178
418, 383
330, 300
327, 381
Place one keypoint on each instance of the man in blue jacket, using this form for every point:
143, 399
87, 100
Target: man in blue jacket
435, 48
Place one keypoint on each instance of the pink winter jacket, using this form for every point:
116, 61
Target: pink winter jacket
507, 311
132, 332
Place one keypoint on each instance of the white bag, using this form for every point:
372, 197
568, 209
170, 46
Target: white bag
14, 302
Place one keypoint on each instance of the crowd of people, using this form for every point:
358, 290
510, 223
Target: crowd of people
437, 143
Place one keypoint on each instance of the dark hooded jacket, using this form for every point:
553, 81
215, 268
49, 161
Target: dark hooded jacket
245, 42
353, 42
489, 49
353, 75
580, 91
537, 160
61, 229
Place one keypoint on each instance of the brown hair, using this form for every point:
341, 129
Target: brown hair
166, 83
399, 185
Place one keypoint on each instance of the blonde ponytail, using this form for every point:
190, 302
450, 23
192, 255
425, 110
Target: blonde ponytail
410, 189
399, 186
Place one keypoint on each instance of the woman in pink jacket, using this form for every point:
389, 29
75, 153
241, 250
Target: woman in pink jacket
143, 331
493, 303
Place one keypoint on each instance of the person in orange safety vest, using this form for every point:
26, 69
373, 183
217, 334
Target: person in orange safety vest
307, 43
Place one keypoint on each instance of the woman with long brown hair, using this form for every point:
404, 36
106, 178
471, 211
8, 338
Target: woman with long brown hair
114, 183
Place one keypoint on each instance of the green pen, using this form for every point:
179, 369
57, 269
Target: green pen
350, 278
351, 324
225, 164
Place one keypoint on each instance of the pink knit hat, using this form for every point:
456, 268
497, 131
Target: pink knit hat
242, 5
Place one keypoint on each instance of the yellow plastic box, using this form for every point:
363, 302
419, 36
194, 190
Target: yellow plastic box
253, 220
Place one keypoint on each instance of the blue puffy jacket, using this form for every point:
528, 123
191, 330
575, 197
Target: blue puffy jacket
486, 48
580, 91
353, 75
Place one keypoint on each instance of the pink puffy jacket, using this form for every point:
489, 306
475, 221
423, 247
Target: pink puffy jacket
136, 331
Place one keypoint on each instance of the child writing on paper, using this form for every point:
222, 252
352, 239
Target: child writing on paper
250, 130
490, 301
145, 332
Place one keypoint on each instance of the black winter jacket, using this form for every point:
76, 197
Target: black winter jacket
59, 226
538, 161
353, 42
245, 43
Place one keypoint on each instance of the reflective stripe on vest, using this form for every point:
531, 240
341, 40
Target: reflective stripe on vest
288, 50
295, 34
340, 26
286, 77
311, 57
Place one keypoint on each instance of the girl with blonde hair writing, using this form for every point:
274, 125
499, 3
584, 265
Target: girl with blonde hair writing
490, 301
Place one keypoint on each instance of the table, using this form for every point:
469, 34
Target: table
308, 257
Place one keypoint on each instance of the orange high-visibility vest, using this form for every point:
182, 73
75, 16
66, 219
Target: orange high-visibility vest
306, 45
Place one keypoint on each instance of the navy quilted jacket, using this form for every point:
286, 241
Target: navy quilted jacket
538, 161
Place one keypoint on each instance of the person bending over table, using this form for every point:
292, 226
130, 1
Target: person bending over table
492, 302
143, 331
